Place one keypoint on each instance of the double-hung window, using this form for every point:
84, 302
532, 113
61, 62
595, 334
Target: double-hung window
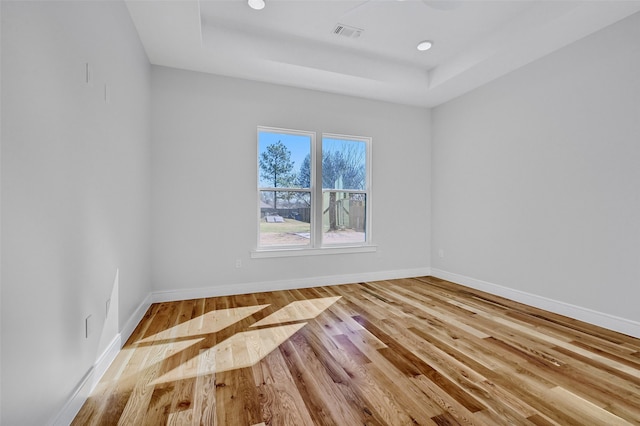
312, 194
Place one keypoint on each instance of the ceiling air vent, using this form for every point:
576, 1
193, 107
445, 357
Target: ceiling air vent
347, 31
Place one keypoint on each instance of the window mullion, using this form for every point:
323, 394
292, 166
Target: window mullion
316, 240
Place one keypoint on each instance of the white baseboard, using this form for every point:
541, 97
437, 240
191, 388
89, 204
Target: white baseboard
93, 376
95, 373
86, 385
611, 322
135, 318
258, 287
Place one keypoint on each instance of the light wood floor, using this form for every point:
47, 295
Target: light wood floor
400, 352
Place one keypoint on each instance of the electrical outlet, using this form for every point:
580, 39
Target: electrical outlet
238, 263
88, 326
88, 74
441, 253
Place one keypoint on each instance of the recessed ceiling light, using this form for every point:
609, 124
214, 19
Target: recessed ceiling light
256, 4
425, 45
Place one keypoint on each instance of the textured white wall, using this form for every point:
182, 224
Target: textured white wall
75, 194
205, 173
535, 176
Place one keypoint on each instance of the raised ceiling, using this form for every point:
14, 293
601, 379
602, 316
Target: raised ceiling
293, 42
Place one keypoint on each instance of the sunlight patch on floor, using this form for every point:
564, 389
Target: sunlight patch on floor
298, 311
243, 349
238, 351
210, 322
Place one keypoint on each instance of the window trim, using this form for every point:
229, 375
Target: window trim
295, 252
316, 244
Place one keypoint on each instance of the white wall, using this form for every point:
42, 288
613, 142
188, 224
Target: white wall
205, 173
75, 194
536, 177
0, 213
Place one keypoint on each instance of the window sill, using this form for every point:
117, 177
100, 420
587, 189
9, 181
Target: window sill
293, 252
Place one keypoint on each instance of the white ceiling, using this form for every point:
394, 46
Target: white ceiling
291, 42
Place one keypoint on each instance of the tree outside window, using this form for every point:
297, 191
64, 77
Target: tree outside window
294, 211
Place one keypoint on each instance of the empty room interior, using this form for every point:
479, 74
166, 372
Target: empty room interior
300, 212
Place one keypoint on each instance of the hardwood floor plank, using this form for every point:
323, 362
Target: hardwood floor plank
539, 420
140, 396
281, 403
325, 404
351, 351
237, 393
445, 419
393, 352
447, 403
413, 366
581, 408
182, 400
205, 392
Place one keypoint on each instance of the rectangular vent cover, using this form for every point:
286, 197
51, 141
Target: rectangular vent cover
347, 31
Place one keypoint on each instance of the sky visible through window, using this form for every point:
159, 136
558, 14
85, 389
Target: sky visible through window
299, 147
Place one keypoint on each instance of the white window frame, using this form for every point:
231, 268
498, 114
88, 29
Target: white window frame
366, 191
316, 245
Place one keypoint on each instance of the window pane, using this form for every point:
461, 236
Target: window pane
284, 160
285, 218
343, 217
344, 164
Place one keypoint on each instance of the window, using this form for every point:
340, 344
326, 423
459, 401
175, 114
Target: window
344, 190
312, 196
284, 181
